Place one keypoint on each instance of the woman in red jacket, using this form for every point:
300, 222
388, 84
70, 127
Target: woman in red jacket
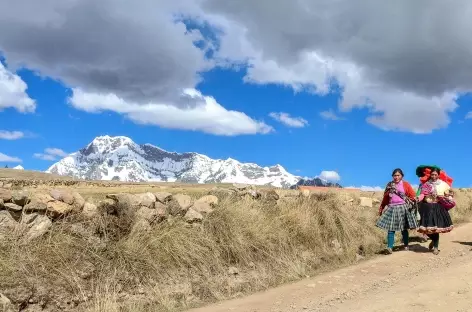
395, 210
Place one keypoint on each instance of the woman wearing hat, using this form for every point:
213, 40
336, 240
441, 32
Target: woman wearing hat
435, 200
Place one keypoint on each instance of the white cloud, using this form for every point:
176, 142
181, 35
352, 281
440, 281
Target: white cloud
50, 154
289, 121
376, 56
330, 115
331, 176
13, 92
205, 114
468, 115
6, 158
11, 135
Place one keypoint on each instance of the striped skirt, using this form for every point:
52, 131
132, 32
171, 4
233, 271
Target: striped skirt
397, 218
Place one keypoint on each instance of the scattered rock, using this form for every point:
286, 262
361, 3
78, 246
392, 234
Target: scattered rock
305, 193
233, 271
89, 211
20, 198
13, 207
58, 209
193, 216
5, 195
2, 204
163, 197
366, 202
241, 187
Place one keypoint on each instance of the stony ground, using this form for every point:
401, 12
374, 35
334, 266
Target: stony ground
400, 282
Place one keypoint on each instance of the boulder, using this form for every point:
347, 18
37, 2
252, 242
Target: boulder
20, 198
126, 199
37, 225
150, 215
147, 199
63, 196
271, 195
58, 209
38, 203
179, 204
202, 207
163, 197
5, 304
7, 223
13, 207
89, 211
192, 216
79, 202
5, 195
211, 200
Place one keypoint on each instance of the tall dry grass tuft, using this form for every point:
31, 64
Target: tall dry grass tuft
242, 247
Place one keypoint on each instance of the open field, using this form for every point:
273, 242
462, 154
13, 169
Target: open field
243, 244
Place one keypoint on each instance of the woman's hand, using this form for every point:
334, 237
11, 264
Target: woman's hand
380, 211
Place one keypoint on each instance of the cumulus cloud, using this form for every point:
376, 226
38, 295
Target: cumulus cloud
6, 158
404, 63
51, 154
11, 135
468, 115
330, 176
289, 121
330, 115
206, 115
13, 90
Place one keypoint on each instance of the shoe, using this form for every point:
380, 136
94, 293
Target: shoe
431, 246
389, 251
435, 251
406, 248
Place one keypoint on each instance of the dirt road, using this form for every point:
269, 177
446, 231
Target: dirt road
403, 281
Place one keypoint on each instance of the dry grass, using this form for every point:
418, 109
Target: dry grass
99, 266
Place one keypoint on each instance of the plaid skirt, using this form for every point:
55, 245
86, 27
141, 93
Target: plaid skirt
397, 218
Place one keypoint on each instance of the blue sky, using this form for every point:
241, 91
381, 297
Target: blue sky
418, 126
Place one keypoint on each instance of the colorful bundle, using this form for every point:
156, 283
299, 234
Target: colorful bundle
424, 172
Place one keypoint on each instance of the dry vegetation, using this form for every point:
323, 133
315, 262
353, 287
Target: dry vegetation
244, 246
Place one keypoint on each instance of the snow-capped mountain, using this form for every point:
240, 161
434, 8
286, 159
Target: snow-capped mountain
19, 167
317, 181
119, 158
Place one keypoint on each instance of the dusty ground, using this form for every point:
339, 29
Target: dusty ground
400, 282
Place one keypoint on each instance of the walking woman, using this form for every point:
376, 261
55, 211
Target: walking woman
435, 200
396, 213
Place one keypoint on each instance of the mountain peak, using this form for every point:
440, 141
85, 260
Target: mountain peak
119, 158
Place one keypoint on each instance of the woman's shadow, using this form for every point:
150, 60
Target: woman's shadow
463, 243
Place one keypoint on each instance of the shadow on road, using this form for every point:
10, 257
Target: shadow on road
463, 243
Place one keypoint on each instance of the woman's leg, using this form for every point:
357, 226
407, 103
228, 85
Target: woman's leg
434, 242
390, 239
405, 237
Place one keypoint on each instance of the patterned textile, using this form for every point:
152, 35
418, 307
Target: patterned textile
434, 219
392, 188
397, 218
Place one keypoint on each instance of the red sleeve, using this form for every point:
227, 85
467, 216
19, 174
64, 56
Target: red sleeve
409, 191
385, 199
